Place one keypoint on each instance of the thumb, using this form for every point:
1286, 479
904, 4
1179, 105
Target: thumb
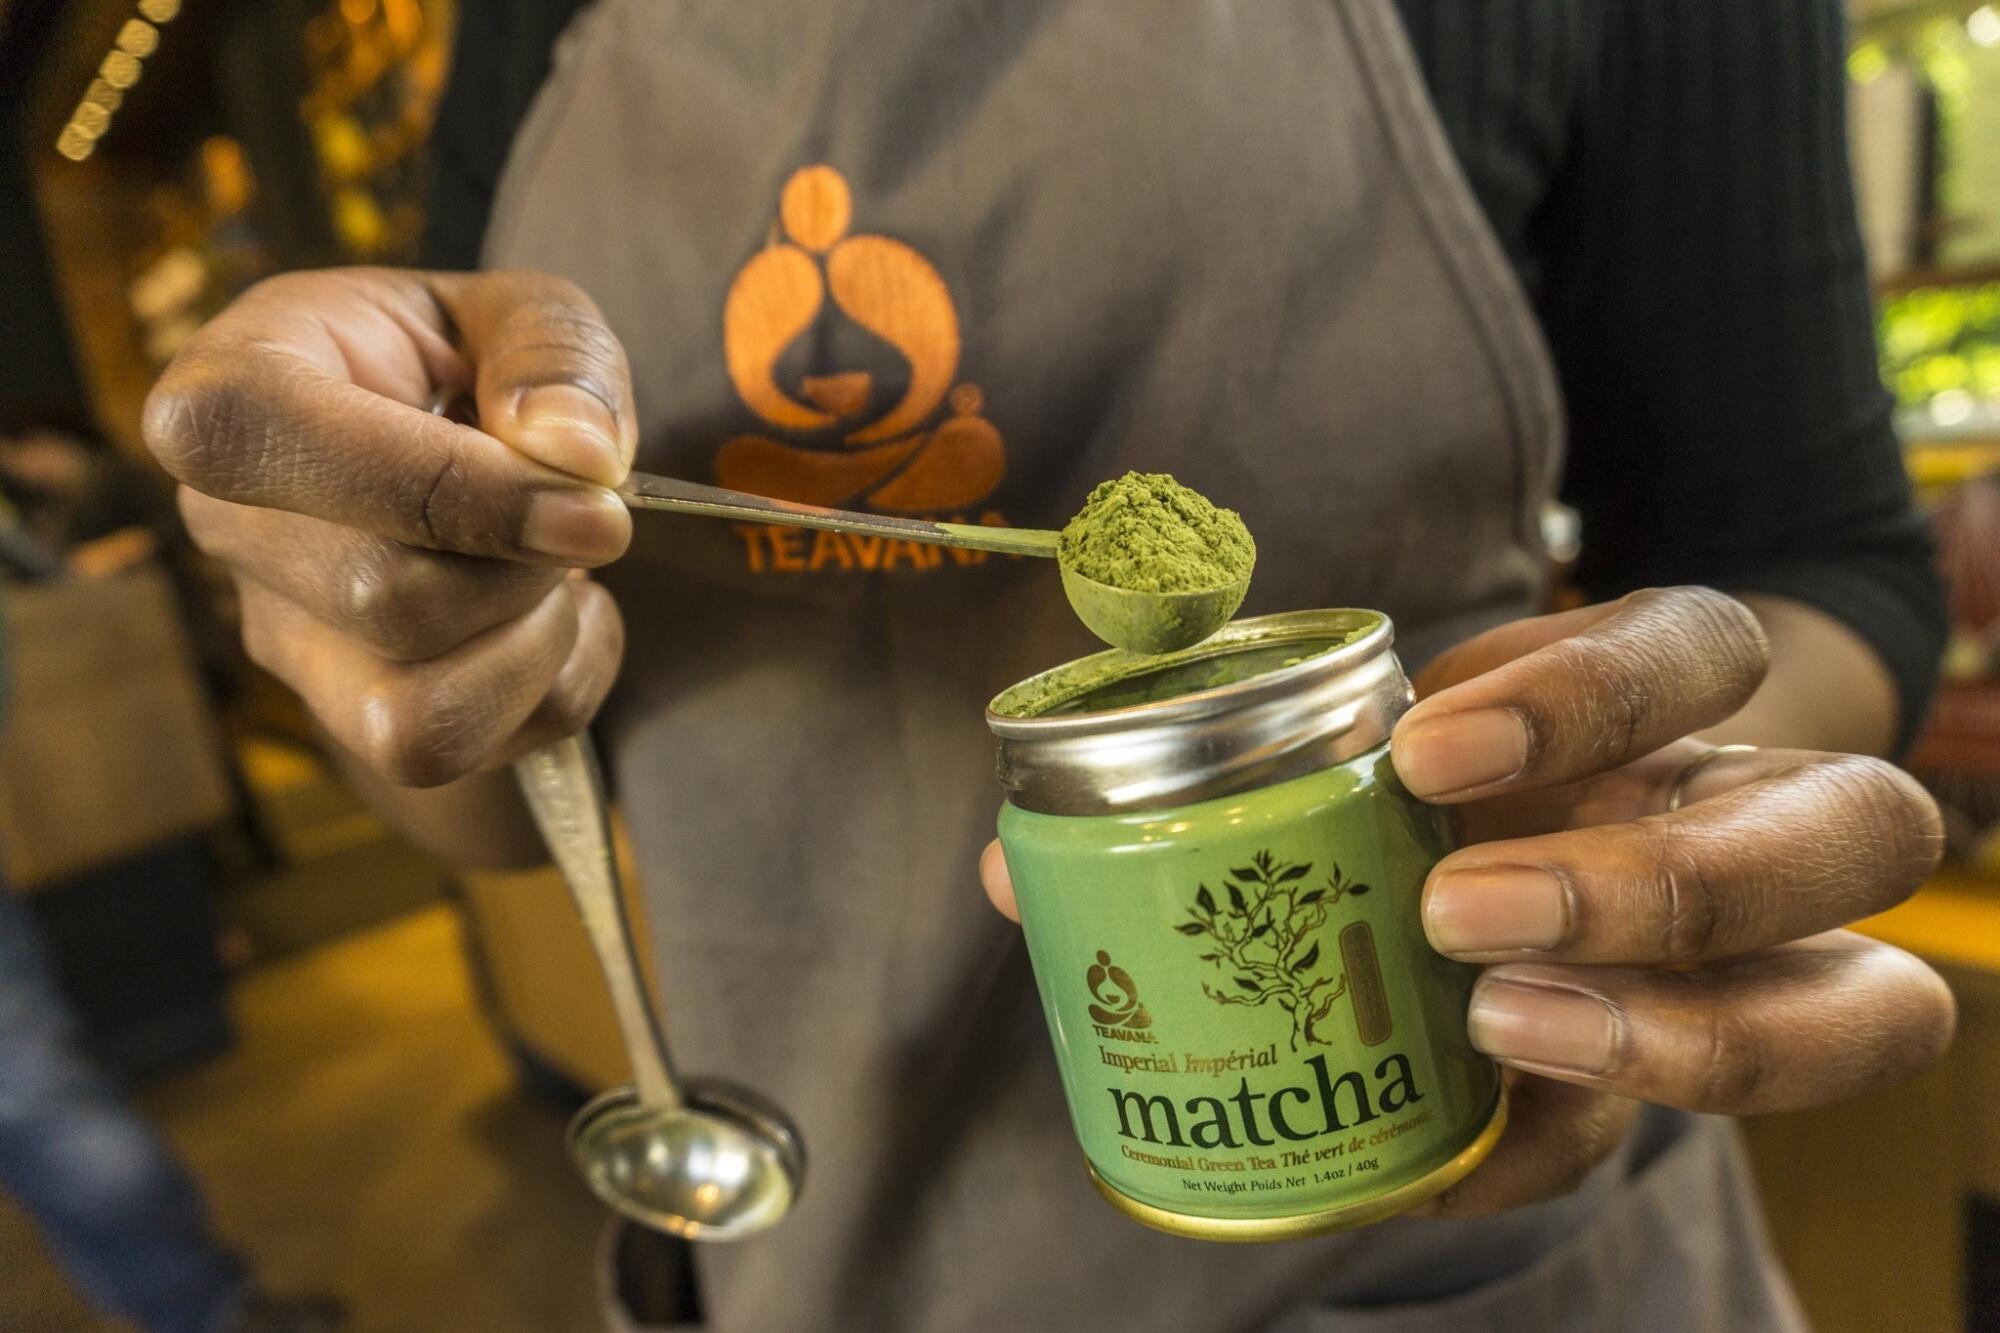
552, 380
997, 882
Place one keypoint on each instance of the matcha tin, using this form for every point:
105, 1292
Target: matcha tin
1218, 875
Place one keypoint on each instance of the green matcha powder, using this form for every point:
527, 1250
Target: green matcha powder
1145, 532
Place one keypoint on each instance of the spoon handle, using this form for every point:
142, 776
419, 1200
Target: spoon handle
565, 793
645, 491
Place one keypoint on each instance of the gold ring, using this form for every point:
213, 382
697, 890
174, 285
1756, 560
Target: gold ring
1678, 793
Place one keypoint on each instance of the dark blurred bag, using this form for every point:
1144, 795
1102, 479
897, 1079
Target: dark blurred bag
107, 742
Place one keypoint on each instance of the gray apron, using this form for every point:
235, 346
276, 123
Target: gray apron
967, 258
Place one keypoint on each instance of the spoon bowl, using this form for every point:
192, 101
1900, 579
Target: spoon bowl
723, 1165
1151, 622
706, 1160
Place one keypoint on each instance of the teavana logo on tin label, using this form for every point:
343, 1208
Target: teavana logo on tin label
1116, 1012
1266, 946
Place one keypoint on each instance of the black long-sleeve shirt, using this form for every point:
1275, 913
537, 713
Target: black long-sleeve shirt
1670, 180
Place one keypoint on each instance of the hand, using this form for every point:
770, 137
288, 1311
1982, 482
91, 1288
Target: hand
1692, 958
418, 582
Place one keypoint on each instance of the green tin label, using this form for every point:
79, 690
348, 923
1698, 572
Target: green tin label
1248, 1019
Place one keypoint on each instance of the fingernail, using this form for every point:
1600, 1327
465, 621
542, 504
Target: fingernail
1441, 756
1493, 909
572, 430
1548, 1026
577, 527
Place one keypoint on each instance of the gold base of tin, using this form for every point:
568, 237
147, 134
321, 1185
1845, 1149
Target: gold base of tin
1249, 1229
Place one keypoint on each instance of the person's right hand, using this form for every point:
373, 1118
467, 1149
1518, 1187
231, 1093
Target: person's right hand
417, 581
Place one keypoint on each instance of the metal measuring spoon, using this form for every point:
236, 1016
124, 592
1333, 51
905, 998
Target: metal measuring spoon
1144, 622
704, 1160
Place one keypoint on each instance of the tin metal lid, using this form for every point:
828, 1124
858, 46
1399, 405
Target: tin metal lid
1264, 701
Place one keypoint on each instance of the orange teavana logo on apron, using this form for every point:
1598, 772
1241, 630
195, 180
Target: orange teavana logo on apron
907, 456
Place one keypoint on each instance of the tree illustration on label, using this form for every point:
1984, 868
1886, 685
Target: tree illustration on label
1266, 948
1119, 1006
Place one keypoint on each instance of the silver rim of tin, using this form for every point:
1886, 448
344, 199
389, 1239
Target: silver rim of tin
1281, 724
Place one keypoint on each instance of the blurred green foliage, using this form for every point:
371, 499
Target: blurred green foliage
1942, 340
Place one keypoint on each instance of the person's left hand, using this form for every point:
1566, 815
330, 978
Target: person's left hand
1692, 958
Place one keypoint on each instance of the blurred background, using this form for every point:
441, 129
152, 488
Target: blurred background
367, 1061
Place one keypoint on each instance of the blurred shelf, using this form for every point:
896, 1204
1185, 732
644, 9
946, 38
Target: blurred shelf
1949, 462
1950, 275
1954, 920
